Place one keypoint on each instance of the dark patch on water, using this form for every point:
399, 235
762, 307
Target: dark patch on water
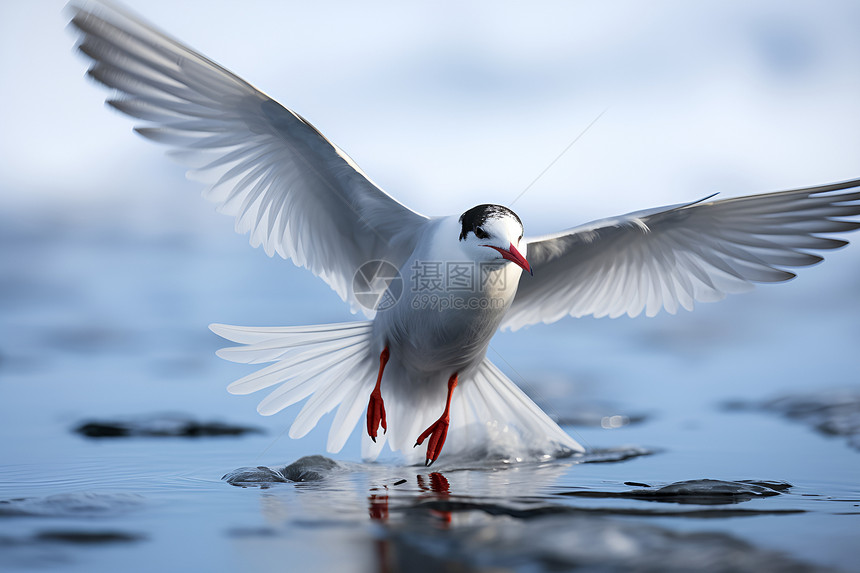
700, 492
55, 548
565, 542
77, 537
161, 426
833, 412
306, 469
87, 504
536, 510
310, 468
695, 492
261, 476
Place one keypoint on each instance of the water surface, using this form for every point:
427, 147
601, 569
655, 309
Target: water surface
102, 320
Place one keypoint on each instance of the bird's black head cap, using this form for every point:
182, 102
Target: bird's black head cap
477, 216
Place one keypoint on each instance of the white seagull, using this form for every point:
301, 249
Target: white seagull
434, 289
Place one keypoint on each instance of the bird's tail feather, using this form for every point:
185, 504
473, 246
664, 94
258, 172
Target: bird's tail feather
495, 413
490, 417
330, 363
333, 365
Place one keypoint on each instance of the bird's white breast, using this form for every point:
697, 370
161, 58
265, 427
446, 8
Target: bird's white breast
450, 307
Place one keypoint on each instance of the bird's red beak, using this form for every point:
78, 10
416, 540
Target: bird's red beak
513, 255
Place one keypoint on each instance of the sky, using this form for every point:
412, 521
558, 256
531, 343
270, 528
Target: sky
447, 105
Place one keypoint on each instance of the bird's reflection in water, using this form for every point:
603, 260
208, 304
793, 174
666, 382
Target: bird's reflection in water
434, 486
438, 488
377, 505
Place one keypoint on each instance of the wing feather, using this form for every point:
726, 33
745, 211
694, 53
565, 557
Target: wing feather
292, 190
671, 257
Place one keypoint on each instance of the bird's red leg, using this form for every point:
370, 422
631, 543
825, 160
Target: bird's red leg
376, 408
438, 430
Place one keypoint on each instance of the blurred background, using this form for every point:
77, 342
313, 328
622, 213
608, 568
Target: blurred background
112, 266
445, 106
109, 252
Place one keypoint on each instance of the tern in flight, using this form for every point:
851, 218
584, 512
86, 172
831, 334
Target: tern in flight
434, 289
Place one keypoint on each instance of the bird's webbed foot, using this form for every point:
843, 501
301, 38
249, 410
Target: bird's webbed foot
376, 407
438, 430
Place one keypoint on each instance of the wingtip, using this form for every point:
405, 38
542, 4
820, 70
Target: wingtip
218, 328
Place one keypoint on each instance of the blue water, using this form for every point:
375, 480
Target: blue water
102, 317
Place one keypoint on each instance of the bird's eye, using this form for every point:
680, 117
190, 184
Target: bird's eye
481, 234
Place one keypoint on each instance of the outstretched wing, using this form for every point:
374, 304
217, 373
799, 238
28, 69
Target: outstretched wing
295, 192
672, 256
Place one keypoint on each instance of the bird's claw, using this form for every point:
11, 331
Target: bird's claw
437, 432
376, 415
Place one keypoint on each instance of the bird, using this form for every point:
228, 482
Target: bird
433, 289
